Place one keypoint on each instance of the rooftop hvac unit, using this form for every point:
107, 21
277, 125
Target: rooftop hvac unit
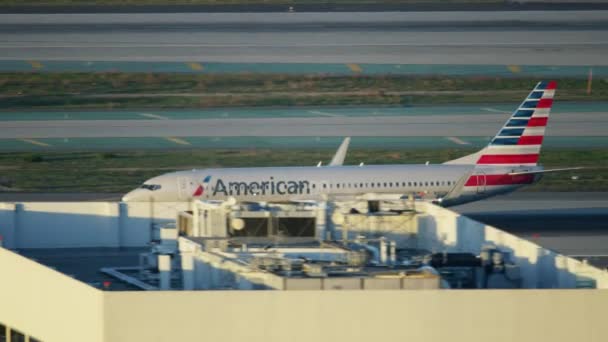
314, 270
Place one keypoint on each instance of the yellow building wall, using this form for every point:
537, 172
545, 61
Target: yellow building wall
434, 315
46, 304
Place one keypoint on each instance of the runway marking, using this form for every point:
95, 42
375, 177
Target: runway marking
203, 45
458, 141
494, 110
36, 65
177, 141
516, 69
35, 142
153, 116
195, 66
354, 67
325, 114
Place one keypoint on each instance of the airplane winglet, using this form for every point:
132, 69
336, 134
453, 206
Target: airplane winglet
338, 159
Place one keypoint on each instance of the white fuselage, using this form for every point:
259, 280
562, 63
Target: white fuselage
283, 184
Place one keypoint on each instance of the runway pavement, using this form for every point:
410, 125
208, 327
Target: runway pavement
576, 125
508, 38
197, 67
562, 125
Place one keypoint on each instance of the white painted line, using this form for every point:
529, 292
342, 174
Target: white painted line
177, 141
154, 116
112, 45
494, 110
325, 114
35, 142
458, 141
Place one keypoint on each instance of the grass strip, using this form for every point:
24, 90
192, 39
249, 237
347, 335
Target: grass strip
122, 171
164, 90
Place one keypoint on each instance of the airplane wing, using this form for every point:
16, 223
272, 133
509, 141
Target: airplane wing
338, 158
518, 173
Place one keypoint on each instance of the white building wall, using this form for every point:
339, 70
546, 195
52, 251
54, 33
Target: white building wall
441, 229
46, 304
82, 224
431, 315
110, 224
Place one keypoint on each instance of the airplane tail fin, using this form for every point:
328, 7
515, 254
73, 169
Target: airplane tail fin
520, 139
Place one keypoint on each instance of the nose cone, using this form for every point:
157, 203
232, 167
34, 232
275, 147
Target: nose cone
134, 196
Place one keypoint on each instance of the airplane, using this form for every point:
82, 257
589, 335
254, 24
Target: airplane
507, 163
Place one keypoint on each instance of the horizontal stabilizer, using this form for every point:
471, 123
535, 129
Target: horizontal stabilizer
518, 173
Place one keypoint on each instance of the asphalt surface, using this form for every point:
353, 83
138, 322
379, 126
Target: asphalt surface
579, 109
562, 125
508, 38
470, 70
318, 7
572, 125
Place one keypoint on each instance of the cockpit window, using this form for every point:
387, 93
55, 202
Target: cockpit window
151, 187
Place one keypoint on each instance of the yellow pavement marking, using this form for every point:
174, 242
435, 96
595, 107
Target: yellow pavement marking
516, 69
178, 141
195, 66
36, 64
458, 141
35, 142
354, 67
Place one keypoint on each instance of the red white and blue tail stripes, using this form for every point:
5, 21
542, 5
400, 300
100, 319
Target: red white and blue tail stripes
520, 139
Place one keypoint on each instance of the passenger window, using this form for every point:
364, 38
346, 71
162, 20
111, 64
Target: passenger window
409, 183
338, 185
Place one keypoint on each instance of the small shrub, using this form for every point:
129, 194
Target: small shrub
33, 158
107, 155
